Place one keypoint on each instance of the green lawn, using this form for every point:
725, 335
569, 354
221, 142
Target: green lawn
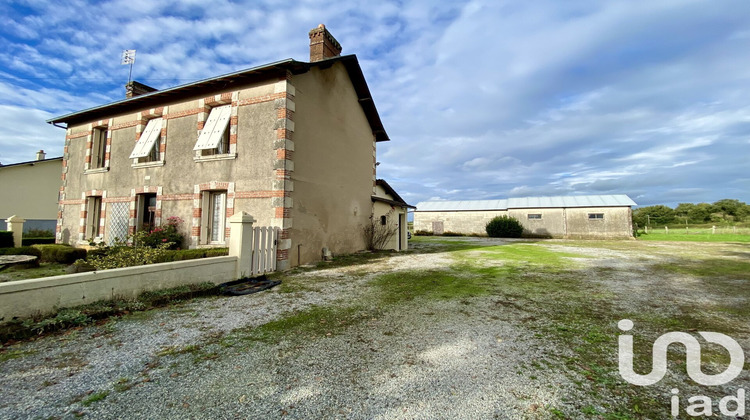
23, 273
702, 235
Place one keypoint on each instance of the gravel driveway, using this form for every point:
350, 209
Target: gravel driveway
435, 359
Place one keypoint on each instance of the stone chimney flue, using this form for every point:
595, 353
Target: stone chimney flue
322, 44
40, 155
136, 89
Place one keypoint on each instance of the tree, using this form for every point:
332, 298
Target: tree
682, 211
653, 215
730, 209
701, 213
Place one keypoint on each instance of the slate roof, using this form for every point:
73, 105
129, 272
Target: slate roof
227, 82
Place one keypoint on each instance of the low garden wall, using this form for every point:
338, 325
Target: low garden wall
26, 298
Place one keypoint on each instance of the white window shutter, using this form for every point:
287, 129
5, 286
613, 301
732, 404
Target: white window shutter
218, 121
148, 138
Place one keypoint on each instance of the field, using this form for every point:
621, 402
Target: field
697, 234
454, 328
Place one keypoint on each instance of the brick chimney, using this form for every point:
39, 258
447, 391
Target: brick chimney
322, 44
136, 89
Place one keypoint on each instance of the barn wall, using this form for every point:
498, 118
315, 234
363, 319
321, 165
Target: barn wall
555, 222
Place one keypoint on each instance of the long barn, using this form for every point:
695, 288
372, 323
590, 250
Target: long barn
584, 216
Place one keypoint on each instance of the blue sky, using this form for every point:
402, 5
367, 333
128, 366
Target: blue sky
481, 99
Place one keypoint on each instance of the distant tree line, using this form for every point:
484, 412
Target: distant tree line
722, 211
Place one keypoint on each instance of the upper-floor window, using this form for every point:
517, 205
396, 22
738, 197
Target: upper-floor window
214, 138
98, 147
147, 147
596, 216
535, 216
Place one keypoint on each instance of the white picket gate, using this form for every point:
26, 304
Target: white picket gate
264, 244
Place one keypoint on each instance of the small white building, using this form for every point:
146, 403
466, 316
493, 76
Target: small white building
584, 216
389, 209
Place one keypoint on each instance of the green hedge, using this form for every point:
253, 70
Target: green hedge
192, 254
6, 239
37, 240
63, 254
24, 250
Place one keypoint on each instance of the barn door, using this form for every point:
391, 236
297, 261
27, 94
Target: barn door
437, 228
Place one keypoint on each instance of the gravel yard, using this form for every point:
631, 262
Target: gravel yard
335, 342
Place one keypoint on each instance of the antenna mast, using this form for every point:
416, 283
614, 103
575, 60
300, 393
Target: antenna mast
128, 57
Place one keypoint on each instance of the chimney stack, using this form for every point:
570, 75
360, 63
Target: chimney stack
136, 89
322, 44
40, 155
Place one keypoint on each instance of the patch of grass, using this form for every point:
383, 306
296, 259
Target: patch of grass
6, 354
16, 273
432, 284
315, 322
123, 384
681, 235
520, 254
95, 397
710, 267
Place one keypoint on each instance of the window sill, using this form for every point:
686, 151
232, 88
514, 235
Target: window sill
148, 164
213, 245
225, 156
96, 171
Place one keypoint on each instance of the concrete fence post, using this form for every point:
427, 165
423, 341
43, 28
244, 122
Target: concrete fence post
15, 225
241, 242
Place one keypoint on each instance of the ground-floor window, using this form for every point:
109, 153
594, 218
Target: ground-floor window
93, 216
213, 217
146, 212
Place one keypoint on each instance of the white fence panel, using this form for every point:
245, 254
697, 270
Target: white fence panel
265, 240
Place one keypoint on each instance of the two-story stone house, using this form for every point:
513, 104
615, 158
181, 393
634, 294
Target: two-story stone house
292, 143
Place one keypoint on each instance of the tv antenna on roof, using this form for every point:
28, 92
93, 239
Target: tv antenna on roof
128, 57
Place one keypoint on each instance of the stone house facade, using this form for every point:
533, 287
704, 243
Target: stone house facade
292, 143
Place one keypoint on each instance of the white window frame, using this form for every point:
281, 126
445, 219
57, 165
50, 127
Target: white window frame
208, 211
98, 148
596, 216
93, 216
149, 140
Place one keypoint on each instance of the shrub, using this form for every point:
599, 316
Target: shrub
63, 254
6, 239
448, 233
24, 250
121, 255
376, 234
39, 233
28, 241
423, 233
168, 233
191, 254
504, 227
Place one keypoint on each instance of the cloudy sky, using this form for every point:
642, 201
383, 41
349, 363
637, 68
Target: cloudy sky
481, 99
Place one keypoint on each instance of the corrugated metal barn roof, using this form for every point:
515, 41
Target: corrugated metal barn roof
615, 200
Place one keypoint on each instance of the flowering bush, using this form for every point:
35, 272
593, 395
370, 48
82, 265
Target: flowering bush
166, 234
120, 254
